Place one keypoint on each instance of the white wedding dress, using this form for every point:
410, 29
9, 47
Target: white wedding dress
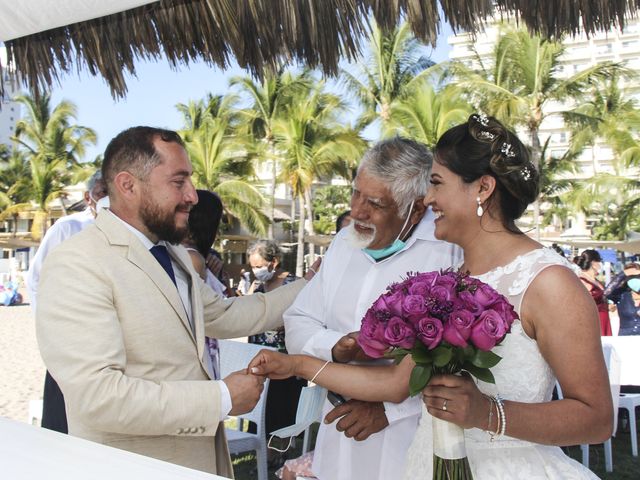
522, 375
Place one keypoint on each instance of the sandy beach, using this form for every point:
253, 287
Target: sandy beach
21, 368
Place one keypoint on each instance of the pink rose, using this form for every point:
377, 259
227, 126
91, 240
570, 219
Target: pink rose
448, 281
489, 329
505, 310
414, 306
485, 295
470, 302
390, 302
419, 288
371, 338
458, 329
399, 334
429, 331
427, 277
441, 293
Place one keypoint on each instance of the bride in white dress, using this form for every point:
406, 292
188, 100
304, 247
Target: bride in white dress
482, 181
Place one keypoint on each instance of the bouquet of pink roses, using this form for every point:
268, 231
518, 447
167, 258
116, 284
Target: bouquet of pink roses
448, 322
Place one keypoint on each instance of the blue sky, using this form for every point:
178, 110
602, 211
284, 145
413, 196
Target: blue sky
153, 94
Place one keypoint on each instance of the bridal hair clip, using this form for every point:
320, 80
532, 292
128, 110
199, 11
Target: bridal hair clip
484, 135
525, 173
482, 119
507, 149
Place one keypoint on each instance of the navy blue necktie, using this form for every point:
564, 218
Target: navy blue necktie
162, 255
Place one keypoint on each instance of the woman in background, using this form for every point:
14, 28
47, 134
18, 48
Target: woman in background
204, 220
265, 258
590, 263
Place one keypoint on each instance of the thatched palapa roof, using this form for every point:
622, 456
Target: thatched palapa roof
261, 34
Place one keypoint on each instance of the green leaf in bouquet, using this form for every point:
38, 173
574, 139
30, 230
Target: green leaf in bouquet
469, 352
422, 356
420, 376
484, 359
441, 356
480, 373
397, 354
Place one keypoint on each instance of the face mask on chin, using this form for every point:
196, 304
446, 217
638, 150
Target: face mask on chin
395, 247
263, 274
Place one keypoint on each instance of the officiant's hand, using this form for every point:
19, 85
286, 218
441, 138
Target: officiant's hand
348, 349
457, 399
359, 419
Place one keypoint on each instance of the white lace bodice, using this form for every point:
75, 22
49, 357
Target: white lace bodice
522, 375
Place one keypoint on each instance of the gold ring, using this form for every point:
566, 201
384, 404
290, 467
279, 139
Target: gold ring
444, 406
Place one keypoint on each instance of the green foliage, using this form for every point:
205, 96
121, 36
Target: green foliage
328, 203
394, 60
222, 159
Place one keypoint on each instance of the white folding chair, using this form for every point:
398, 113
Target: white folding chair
629, 401
35, 412
235, 356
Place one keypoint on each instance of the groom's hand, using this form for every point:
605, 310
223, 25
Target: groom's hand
359, 419
245, 390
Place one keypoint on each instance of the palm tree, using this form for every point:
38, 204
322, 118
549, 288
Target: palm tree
268, 99
221, 161
314, 145
521, 80
427, 113
14, 184
394, 62
53, 145
609, 115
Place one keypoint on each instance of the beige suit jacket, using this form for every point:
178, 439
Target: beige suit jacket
113, 332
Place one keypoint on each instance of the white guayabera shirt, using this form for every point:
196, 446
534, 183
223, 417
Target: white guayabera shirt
333, 304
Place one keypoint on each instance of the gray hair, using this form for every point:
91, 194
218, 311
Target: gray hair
267, 249
95, 178
403, 165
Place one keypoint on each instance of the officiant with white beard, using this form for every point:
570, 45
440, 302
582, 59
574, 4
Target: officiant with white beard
391, 234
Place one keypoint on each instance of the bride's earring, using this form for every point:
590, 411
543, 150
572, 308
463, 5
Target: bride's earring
480, 210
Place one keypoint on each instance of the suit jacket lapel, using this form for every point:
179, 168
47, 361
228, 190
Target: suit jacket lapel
137, 254
181, 257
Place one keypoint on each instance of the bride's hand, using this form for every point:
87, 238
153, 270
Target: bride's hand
457, 399
273, 364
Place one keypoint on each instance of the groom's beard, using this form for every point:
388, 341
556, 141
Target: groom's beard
357, 239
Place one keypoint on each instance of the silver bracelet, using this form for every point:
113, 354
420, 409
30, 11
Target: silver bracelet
502, 418
320, 370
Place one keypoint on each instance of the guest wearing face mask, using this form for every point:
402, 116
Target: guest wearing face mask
265, 258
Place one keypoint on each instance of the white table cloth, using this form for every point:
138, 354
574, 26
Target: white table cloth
28, 453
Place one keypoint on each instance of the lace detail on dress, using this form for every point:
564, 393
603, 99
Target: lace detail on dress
522, 375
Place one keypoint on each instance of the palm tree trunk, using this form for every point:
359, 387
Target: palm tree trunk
310, 229
535, 159
293, 216
64, 208
274, 176
300, 252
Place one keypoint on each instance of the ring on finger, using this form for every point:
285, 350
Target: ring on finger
444, 406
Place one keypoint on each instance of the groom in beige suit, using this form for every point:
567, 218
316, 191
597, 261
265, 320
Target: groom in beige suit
123, 334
